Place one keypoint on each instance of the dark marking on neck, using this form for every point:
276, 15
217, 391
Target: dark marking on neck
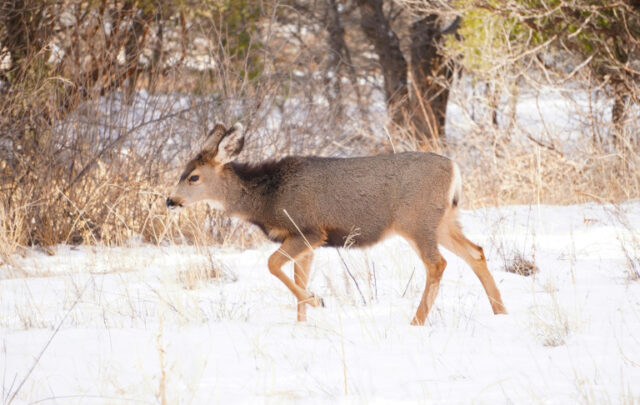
265, 177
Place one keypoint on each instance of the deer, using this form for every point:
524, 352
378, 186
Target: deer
305, 202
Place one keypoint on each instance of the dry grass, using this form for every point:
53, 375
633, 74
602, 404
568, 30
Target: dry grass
100, 175
550, 321
628, 241
199, 273
123, 197
11, 226
520, 265
526, 174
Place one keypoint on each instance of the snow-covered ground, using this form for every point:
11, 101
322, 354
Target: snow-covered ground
145, 324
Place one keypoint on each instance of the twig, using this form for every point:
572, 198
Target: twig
298, 229
552, 148
375, 281
364, 302
116, 399
408, 282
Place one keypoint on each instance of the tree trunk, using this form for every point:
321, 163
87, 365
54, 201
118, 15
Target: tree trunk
337, 53
136, 36
28, 26
431, 78
619, 113
376, 27
17, 36
157, 58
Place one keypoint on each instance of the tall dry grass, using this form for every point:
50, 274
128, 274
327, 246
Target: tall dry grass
101, 173
553, 144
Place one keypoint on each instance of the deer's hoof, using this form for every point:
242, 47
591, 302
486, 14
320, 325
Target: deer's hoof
416, 322
316, 301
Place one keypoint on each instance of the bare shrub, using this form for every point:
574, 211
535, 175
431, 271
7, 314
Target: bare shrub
95, 166
10, 230
198, 273
629, 242
520, 265
550, 325
550, 322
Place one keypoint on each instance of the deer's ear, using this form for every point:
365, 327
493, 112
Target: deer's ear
231, 144
213, 138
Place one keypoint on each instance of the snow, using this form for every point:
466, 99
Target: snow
135, 327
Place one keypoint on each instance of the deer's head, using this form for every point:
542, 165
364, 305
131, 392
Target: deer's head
202, 178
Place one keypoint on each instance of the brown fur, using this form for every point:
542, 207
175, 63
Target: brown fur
306, 202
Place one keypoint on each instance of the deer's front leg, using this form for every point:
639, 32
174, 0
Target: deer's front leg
294, 248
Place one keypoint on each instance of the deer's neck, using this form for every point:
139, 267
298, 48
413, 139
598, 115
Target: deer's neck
245, 195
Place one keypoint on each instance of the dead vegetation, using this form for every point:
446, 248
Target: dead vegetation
99, 172
521, 266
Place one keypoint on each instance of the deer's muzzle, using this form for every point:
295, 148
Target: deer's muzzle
172, 204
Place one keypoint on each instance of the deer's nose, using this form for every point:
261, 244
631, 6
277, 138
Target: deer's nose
172, 203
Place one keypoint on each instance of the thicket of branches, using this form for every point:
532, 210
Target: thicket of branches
564, 37
101, 101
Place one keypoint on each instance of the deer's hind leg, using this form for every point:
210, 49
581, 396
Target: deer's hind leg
296, 248
451, 237
424, 243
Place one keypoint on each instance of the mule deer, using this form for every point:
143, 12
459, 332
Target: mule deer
307, 202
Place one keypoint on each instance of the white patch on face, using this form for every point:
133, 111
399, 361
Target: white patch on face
216, 205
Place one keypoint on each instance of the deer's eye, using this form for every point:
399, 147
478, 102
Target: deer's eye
193, 179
